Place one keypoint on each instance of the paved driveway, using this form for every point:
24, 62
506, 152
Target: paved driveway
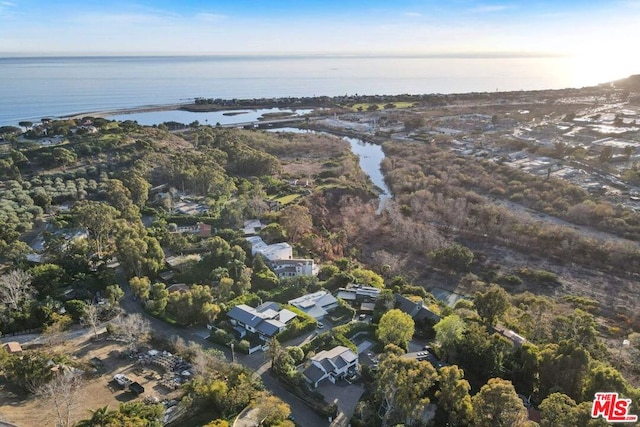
345, 395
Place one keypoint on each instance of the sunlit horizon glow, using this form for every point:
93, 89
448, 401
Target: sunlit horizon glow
598, 37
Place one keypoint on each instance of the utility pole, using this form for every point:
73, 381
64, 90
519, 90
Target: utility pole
233, 354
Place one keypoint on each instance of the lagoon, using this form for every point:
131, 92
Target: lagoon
227, 117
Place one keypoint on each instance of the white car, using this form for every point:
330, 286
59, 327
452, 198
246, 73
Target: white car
122, 380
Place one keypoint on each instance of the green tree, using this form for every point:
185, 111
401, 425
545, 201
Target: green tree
449, 331
498, 404
117, 194
25, 124
396, 327
274, 349
563, 368
138, 187
98, 218
48, 279
558, 409
158, 298
455, 257
491, 304
524, 363
579, 327
113, 294
140, 286
402, 386
602, 377
63, 157
101, 417
139, 256
367, 277
271, 410
453, 396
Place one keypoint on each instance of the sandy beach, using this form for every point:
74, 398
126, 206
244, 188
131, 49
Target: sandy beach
141, 109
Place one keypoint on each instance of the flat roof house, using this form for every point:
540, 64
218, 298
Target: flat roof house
316, 305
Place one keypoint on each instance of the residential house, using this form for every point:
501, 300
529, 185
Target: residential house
360, 297
201, 229
252, 226
265, 321
316, 305
415, 309
333, 364
515, 338
277, 251
294, 267
178, 287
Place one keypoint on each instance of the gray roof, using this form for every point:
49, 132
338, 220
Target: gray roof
244, 314
267, 305
416, 310
314, 373
339, 362
327, 365
336, 358
268, 328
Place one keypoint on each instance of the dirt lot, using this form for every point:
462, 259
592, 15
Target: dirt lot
97, 390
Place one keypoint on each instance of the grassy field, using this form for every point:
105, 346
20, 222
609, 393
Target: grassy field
285, 200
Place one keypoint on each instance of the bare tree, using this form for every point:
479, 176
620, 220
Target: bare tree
132, 328
206, 362
15, 287
91, 317
62, 392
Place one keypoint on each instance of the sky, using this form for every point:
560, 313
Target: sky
605, 29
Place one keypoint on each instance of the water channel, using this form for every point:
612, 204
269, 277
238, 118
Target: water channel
371, 157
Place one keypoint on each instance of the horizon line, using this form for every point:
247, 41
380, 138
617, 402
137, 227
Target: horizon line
288, 55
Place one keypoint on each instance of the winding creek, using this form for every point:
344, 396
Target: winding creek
370, 155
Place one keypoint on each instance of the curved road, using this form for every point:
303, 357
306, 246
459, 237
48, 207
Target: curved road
257, 362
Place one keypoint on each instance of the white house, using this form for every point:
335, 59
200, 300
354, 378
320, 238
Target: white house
252, 226
332, 365
277, 251
266, 320
294, 267
316, 305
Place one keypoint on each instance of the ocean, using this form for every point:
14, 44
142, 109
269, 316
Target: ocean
32, 88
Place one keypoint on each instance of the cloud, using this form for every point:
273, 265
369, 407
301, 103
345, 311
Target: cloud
210, 17
491, 8
6, 8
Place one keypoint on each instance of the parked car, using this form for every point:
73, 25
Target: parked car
362, 317
320, 325
122, 380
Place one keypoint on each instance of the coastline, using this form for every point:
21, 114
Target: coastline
128, 110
